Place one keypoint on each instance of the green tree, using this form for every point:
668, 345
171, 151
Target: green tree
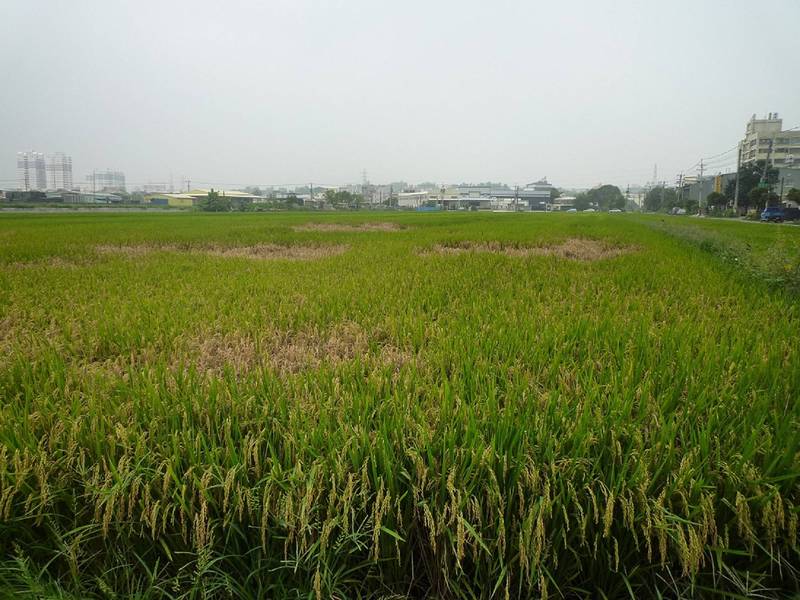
793, 195
671, 199
761, 197
749, 177
716, 200
654, 199
606, 197
582, 201
772, 199
554, 193
216, 203
661, 198
293, 200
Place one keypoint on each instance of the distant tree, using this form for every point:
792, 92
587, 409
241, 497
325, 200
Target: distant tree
793, 195
716, 200
607, 197
758, 197
749, 177
582, 201
216, 203
293, 200
772, 199
661, 198
242, 204
343, 198
670, 199
654, 198
554, 193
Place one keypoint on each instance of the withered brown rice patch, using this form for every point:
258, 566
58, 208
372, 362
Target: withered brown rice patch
55, 262
288, 352
258, 251
275, 251
572, 249
350, 228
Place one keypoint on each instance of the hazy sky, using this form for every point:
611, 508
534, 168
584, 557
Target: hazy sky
292, 91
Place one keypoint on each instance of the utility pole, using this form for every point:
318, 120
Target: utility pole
311, 191
736, 188
766, 164
364, 183
763, 183
516, 198
700, 189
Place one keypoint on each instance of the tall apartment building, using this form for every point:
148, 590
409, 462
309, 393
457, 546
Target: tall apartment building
765, 137
108, 181
31, 171
59, 171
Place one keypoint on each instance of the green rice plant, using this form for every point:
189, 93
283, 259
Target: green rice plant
447, 405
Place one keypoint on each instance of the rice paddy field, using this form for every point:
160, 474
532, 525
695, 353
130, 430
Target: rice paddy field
398, 406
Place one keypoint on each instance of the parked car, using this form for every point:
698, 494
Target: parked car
614, 211
588, 210
572, 210
790, 213
775, 214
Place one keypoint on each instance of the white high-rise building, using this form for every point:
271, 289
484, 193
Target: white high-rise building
766, 138
31, 171
59, 171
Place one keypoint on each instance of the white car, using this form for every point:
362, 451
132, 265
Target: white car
589, 210
572, 210
615, 211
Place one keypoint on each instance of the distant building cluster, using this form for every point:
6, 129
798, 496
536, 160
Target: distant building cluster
537, 196
31, 171
765, 139
53, 173
105, 181
194, 198
59, 171
37, 173
765, 144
